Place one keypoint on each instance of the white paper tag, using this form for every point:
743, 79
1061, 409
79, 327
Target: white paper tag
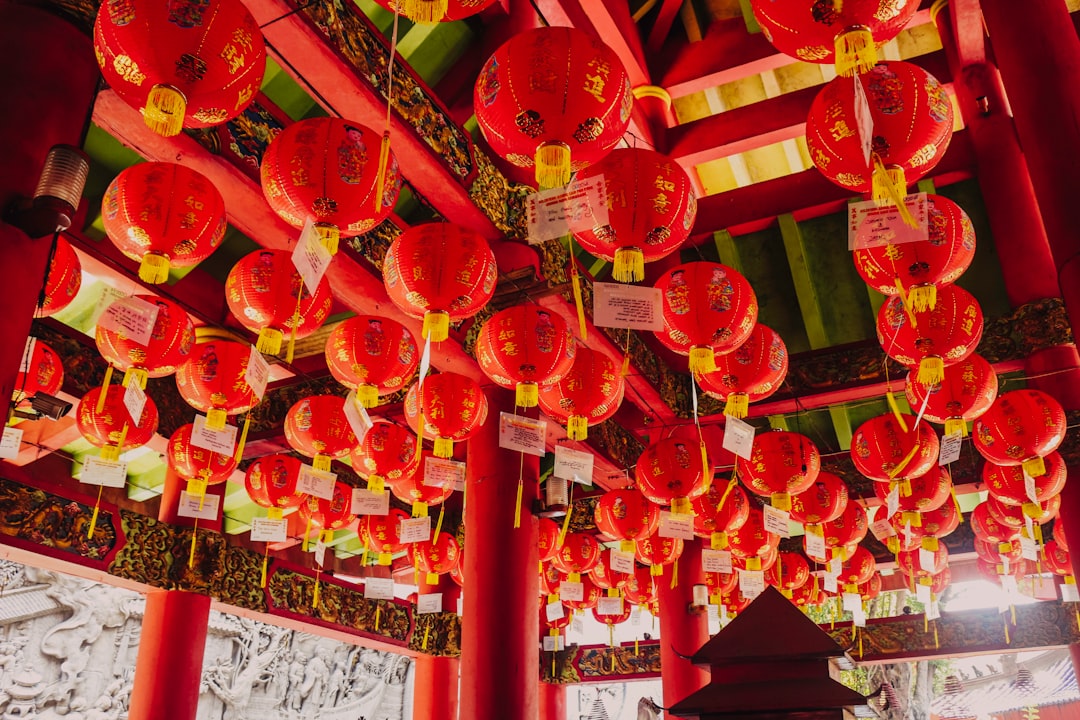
316, 483
376, 588
1008, 584
609, 606
357, 416
723, 616
892, 501
573, 465
320, 550
1029, 550
950, 448
223, 441
882, 529
257, 374
269, 530
635, 615
414, 530
815, 546
776, 521
751, 583
104, 472
310, 257
830, 583
676, 526
571, 591
922, 593
440, 472
1029, 487
132, 317
134, 399
1029, 526
428, 603
621, 562
28, 354
554, 643
628, 306
1042, 587
852, 601
203, 507
858, 617
108, 296
933, 610
1070, 593
581, 205
738, 437
716, 561
835, 566
365, 502
864, 120
926, 560
872, 226
10, 443
554, 611
522, 434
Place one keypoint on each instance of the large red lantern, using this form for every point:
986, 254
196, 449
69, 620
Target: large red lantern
670, 472
553, 98
824, 501
711, 518
372, 355
992, 553
939, 523
603, 576
316, 427
720, 583
809, 594
523, 346
382, 534
752, 540
112, 428
753, 371
1007, 484
63, 280
626, 514
433, 11
921, 494
781, 464
709, 309
267, 295
1017, 517
883, 449
163, 215
190, 462
763, 561
1057, 559
435, 557
183, 64
858, 567
789, 572
1021, 428
1060, 533
931, 339
590, 595
45, 373
578, 553
915, 269
846, 33
271, 481
324, 170
612, 620
550, 577
411, 488
910, 562
212, 380
651, 208
988, 528
332, 514
170, 344
967, 391
451, 408
441, 272
588, 394
656, 552
548, 532
848, 529
640, 589
387, 451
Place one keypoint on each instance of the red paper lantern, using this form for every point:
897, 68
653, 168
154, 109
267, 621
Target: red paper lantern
809, 594
267, 295
603, 576
45, 372
553, 98
550, 577
825, 500
922, 494
332, 514
640, 589
990, 529
524, 346
626, 514
910, 562
163, 215
940, 581
858, 567
940, 522
104, 428
387, 451
325, 170
721, 583
548, 538
752, 540
711, 518
651, 208
912, 126
848, 529
883, 450
709, 309
182, 64
610, 620
212, 380
991, 552
382, 534
588, 394
764, 561
967, 391
781, 464
271, 481
1014, 516
789, 572
441, 272
579, 553
1021, 428
170, 344
670, 472
590, 596
822, 31
871, 589
916, 268
1057, 559
1006, 482
435, 557
316, 427
452, 408
656, 552
433, 11
994, 571
1060, 534
63, 280
753, 371
190, 462
372, 355
411, 488
944, 335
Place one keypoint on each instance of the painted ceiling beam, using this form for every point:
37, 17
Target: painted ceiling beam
967, 22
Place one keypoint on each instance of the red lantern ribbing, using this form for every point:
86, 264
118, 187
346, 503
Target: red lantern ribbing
386, 453
440, 272
435, 557
781, 464
450, 407
1021, 428
883, 449
578, 553
372, 355
190, 65
967, 391
523, 346
271, 482
316, 427
332, 514
411, 488
63, 280
709, 309
789, 572
713, 520
751, 539
626, 514
170, 344
1007, 484
212, 380
656, 552
191, 462
651, 208
588, 394
824, 501
553, 98
382, 535
753, 371
669, 472
163, 215
111, 427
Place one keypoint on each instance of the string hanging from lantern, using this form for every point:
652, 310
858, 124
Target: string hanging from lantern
384, 146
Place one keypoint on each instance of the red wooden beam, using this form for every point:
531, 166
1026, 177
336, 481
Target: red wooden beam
967, 22
669, 10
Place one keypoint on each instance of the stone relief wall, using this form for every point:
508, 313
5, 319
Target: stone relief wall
68, 648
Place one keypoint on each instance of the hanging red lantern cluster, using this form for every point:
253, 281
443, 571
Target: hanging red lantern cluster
183, 64
588, 394
1006, 484
651, 209
386, 453
892, 447
171, 340
109, 425
332, 514
626, 514
824, 501
411, 488
578, 553
967, 390
715, 516
192, 462
435, 557
440, 272
523, 347
847, 530
447, 407
554, 98
433, 11
752, 539
316, 427
372, 355
781, 464
163, 215
64, 279
44, 373
381, 534
212, 380
752, 372
790, 572
670, 472
1021, 428
271, 482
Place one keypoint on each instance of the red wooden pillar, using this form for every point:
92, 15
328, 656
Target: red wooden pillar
682, 631
49, 78
552, 702
500, 662
435, 694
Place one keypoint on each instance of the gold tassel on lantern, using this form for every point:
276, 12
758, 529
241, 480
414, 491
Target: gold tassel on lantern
856, 52
931, 371
738, 405
367, 395
239, 455
138, 374
436, 326
215, 419
384, 162
444, 447
781, 501
577, 427
923, 297
104, 389
552, 165
94, 516
1034, 467
424, 11
528, 394
629, 265
269, 342
702, 360
164, 111
956, 425
154, 269
891, 399
889, 187
330, 236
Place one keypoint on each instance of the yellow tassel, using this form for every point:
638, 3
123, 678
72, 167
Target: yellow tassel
904, 463
727, 491
424, 11
930, 544
1035, 467
376, 484
702, 360
923, 297
385, 559
859, 633
437, 325
528, 394
681, 506
243, 438
215, 419
1005, 548
517, 503
577, 427
753, 563
706, 467
380, 178
626, 355
330, 236
444, 447
420, 439
1032, 510
321, 462
265, 564
164, 111
419, 509
738, 405
781, 501
427, 632
637, 650
94, 516
432, 578
656, 570
438, 526
378, 614
889, 187
104, 389
628, 546
956, 425
315, 595
291, 350
937, 643
675, 574
307, 531
194, 537
138, 374
579, 305
154, 269
368, 395
956, 502
552, 165
269, 342
1008, 640
629, 266
912, 518
895, 407
931, 371
855, 52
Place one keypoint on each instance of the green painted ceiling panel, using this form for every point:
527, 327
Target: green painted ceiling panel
983, 279
765, 265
